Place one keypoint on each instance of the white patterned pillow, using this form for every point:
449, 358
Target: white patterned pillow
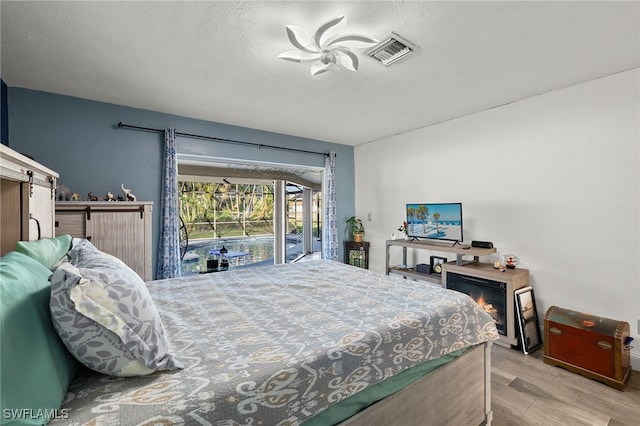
102, 311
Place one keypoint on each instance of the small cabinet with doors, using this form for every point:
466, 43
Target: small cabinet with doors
120, 228
357, 253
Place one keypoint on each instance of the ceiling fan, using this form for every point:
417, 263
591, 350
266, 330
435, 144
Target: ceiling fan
325, 53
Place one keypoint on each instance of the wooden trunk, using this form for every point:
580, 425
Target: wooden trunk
589, 345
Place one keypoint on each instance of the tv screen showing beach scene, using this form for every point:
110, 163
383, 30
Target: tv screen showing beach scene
440, 221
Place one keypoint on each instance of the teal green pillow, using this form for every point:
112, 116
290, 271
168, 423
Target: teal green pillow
47, 250
36, 367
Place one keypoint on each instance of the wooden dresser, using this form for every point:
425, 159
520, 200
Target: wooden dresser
120, 228
26, 201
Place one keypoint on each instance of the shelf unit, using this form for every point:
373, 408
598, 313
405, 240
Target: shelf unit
459, 250
27, 192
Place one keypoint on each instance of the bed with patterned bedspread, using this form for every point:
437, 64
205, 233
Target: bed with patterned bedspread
277, 345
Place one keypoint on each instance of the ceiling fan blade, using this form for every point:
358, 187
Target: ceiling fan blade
324, 27
351, 38
319, 68
292, 55
297, 56
300, 39
346, 58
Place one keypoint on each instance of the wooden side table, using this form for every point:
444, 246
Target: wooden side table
357, 253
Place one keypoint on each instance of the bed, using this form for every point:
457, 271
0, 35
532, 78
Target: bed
311, 343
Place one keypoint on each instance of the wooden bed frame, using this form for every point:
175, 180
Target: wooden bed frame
458, 393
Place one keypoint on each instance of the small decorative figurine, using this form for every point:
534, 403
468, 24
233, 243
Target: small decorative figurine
75, 197
510, 261
127, 193
110, 196
94, 197
63, 193
496, 264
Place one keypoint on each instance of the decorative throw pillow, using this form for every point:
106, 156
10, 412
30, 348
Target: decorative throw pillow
47, 251
105, 316
36, 369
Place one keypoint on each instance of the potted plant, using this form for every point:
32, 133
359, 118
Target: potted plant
356, 229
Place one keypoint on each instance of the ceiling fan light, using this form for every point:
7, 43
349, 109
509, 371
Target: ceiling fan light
326, 54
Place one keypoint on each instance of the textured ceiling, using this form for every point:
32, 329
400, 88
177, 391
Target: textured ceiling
217, 60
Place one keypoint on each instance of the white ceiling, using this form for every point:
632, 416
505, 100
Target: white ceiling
216, 60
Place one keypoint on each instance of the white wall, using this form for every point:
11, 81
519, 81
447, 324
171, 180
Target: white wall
553, 179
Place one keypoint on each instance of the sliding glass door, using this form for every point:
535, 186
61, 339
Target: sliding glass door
260, 222
303, 222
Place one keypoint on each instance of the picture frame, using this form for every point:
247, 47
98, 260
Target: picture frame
436, 263
528, 323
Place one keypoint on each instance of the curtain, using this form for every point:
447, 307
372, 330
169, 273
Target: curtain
169, 265
330, 222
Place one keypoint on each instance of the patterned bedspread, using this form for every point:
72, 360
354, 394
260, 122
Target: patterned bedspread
276, 345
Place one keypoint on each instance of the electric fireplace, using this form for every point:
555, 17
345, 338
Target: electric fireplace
492, 290
490, 295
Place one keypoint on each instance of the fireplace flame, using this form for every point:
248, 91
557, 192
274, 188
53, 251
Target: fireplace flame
488, 307
480, 300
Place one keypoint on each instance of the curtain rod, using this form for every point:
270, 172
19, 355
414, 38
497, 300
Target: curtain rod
121, 125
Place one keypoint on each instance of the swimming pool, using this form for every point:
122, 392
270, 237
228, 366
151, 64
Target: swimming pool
259, 249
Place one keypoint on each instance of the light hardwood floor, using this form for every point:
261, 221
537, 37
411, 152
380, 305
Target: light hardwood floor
526, 391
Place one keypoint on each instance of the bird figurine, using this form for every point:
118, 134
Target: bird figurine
129, 196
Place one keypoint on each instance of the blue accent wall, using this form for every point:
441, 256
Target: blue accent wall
80, 140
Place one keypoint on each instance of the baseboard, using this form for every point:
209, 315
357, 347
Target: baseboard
635, 361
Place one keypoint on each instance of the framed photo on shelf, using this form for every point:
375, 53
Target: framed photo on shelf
436, 263
529, 327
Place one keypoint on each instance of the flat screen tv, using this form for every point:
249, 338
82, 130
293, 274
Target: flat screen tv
436, 221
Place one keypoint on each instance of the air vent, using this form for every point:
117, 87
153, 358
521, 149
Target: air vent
390, 49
